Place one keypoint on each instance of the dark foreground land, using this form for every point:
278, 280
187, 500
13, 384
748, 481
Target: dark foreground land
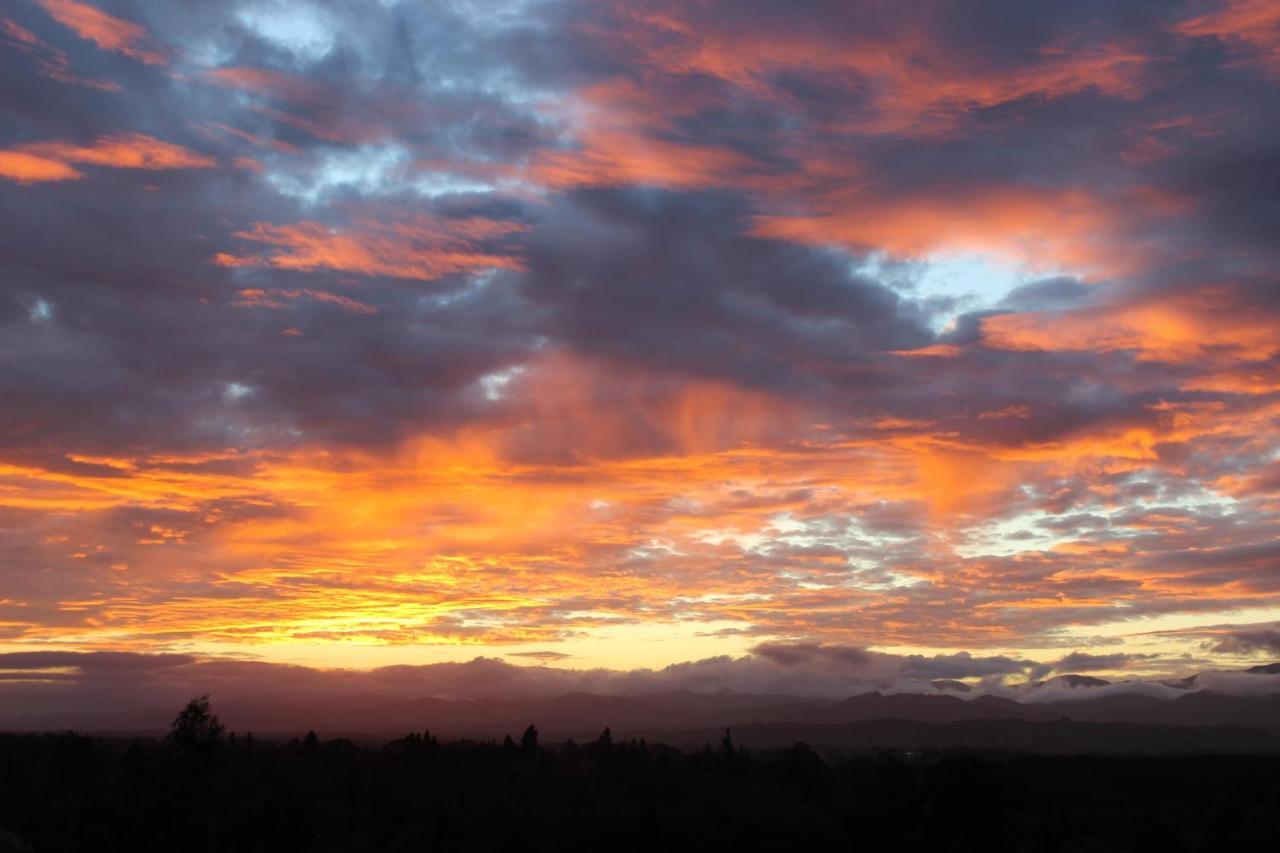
69, 792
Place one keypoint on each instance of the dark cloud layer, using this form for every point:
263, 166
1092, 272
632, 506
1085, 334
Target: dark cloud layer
1266, 642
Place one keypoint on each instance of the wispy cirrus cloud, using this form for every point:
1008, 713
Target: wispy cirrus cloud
1250, 27
418, 247
105, 30
52, 61
37, 162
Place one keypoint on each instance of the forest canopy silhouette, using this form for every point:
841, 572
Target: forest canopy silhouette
203, 788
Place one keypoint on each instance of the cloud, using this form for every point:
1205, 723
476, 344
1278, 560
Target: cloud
1047, 230
961, 665
1198, 327
790, 654
92, 662
1250, 642
912, 668
953, 330
278, 84
106, 31
124, 151
1085, 662
907, 75
1251, 27
673, 278
51, 161
24, 168
418, 247
544, 656
51, 61
136, 691
279, 298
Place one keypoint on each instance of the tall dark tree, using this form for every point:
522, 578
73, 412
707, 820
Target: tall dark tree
529, 740
196, 728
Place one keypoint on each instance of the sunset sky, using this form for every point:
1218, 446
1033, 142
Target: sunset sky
624, 333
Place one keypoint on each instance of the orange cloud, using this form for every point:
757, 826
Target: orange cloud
264, 81
51, 161
1048, 228
918, 84
921, 96
1238, 379
477, 536
616, 157
257, 298
627, 130
931, 351
1251, 26
1209, 327
29, 169
18, 35
599, 496
124, 151
625, 135
106, 31
217, 130
50, 61
494, 533
970, 482
420, 247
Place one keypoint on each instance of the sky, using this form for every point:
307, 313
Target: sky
619, 336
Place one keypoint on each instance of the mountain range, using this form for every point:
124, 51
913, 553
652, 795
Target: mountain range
1095, 715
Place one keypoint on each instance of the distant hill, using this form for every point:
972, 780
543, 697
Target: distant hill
1265, 669
1093, 709
1080, 681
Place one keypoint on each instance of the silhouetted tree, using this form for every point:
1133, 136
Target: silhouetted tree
196, 728
529, 740
133, 764
311, 742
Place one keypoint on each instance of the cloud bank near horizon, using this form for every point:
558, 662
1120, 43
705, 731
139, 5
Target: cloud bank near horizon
37, 686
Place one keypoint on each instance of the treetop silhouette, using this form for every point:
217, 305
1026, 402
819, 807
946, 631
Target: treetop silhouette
196, 728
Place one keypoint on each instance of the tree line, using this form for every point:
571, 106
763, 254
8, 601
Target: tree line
205, 789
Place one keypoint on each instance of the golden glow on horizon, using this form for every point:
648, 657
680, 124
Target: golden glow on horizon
472, 543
